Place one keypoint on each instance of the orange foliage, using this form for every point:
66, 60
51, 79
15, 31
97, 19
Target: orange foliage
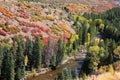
6, 12
72, 8
67, 34
11, 29
55, 37
63, 26
44, 40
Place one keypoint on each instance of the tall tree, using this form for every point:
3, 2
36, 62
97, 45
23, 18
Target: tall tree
60, 52
7, 65
37, 53
19, 64
1, 58
29, 49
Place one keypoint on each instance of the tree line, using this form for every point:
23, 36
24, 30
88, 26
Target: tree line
21, 56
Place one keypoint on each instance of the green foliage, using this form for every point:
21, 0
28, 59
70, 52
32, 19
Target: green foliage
7, 64
111, 21
6, 40
19, 64
29, 49
60, 52
1, 58
95, 53
37, 53
66, 74
53, 60
17, 38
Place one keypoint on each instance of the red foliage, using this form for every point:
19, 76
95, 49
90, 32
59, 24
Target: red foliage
3, 32
23, 15
42, 28
32, 24
37, 34
48, 31
44, 40
25, 29
21, 10
36, 30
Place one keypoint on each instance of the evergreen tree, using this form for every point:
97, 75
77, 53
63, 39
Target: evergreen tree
29, 49
1, 58
19, 64
7, 65
67, 74
75, 44
37, 53
53, 60
12, 65
110, 58
60, 52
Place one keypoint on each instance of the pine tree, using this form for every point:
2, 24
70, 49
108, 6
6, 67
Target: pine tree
29, 49
37, 53
75, 44
12, 66
19, 64
53, 60
60, 52
80, 35
1, 58
66, 74
7, 65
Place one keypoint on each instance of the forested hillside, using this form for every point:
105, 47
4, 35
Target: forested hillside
36, 38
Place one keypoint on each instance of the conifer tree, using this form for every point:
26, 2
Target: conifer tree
19, 64
7, 65
29, 49
60, 52
37, 53
1, 58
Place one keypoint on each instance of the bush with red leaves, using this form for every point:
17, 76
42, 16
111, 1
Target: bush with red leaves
3, 32
21, 11
48, 31
25, 29
44, 40
23, 15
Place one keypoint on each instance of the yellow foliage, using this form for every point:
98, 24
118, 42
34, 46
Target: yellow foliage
26, 60
76, 36
117, 50
102, 26
73, 38
75, 17
88, 37
90, 21
85, 43
111, 70
99, 21
97, 40
49, 17
87, 25
94, 49
81, 18
36, 18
